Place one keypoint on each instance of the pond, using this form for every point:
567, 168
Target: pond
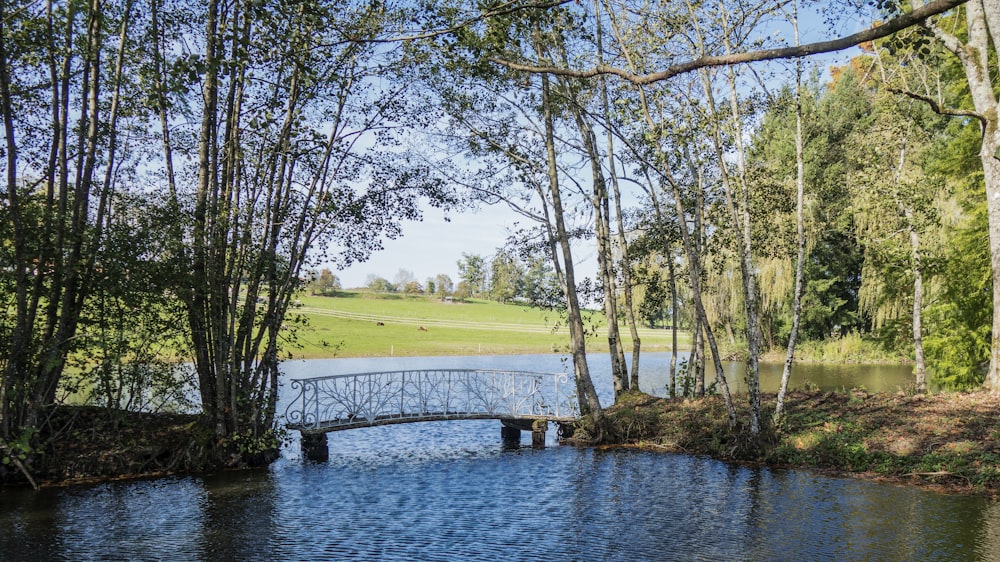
451, 491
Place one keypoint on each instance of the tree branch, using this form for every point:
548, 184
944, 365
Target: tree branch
888, 28
936, 108
501, 10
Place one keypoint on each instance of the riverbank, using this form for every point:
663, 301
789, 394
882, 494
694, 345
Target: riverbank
89, 444
948, 442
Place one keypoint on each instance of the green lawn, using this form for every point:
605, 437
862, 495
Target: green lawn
355, 324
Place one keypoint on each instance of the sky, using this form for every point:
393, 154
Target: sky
435, 245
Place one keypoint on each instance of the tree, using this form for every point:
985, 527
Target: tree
540, 285
65, 103
800, 238
472, 270
959, 320
444, 285
505, 278
287, 93
976, 51
896, 200
463, 291
509, 128
326, 283
403, 278
379, 284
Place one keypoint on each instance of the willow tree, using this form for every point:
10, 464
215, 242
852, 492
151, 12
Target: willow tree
895, 200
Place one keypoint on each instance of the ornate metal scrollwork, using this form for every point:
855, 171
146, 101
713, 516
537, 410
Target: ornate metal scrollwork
345, 401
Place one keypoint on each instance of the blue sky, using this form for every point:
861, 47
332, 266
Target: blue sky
435, 245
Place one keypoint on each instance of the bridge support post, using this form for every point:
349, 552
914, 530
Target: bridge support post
538, 429
511, 436
314, 447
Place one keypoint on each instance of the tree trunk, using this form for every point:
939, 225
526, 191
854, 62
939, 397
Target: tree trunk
918, 299
590, 404
983, 29
672, 380
740, 215
626, 266
602, 231
203, 306
694, 268
786, 371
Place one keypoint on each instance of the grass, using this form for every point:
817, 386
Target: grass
358, 324
949, 441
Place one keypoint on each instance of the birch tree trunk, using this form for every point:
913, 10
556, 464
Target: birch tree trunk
919, 369
982, 18
739, 212
671, 274
786, 371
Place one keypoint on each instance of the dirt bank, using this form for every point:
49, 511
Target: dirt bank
85, 444
949, 442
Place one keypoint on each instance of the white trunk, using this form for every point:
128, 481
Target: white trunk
983, 20
786, 372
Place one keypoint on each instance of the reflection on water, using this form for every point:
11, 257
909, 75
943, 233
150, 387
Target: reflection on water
482, 503
449, 491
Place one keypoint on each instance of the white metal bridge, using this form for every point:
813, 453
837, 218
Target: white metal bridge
340, 402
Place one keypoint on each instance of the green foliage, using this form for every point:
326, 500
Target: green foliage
472, 272
20, 448
379, 284
834, 258
506, 278
958, 343
959, 319
326, 283
249, 444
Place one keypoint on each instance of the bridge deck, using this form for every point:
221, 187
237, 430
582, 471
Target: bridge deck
343, 402
327, 426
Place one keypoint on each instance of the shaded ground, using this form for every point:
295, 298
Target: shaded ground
88, 443
950, 442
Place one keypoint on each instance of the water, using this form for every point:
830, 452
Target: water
450, 491
653, 367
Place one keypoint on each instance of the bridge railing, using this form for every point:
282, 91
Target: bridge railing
343, 401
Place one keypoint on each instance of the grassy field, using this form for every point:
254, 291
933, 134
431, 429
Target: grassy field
356, 324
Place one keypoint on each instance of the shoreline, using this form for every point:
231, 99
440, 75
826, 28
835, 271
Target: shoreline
944, 442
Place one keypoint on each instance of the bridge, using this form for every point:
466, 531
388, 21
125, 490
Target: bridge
519, 399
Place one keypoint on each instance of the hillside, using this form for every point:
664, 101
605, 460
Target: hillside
359, 324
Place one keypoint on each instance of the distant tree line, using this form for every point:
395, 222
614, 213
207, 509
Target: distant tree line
504, 278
